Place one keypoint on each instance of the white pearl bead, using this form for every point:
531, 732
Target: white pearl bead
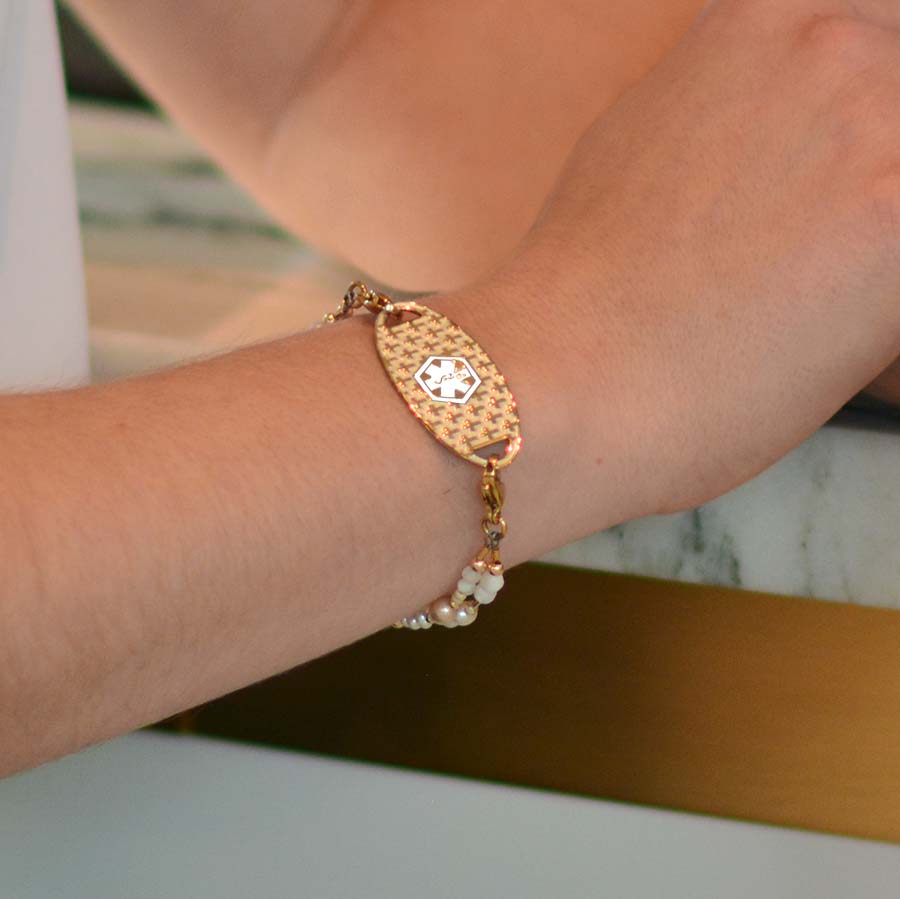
492, 581
470, 574
467, 588
442, 612
411, 623
484, 596
466, 615
422, 621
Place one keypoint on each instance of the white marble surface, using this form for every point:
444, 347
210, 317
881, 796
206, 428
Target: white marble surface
824, 522
161, 224
154, 815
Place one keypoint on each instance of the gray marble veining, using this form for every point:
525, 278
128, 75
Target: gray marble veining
823, 522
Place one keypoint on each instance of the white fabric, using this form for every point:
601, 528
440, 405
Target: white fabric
43, 322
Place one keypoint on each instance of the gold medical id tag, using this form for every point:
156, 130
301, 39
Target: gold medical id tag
449, 383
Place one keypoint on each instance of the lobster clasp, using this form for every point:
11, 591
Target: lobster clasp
492, 490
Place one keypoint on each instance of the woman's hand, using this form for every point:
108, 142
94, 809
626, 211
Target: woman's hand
725, 242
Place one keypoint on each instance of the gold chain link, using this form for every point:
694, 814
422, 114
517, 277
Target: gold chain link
359, 295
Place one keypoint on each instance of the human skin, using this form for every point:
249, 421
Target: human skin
695, 298
418, 141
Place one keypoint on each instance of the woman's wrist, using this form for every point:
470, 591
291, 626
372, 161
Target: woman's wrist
575, 473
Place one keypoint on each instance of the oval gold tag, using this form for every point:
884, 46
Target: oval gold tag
449, 383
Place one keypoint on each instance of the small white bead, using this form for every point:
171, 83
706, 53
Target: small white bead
483, 595
467, 588
422, 621
470, 574
466, 615
492, 581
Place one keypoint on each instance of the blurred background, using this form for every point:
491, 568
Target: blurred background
89, 70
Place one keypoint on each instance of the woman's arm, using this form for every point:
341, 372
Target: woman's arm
170, 538
716, 274
447, 125
418, 140
225, 69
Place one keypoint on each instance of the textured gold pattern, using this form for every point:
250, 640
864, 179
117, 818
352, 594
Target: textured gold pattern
487, 417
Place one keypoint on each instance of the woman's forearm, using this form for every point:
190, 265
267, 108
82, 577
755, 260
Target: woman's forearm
173, 537
224, 69
697, 297
332, 111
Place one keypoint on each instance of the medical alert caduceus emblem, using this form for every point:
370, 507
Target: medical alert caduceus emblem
447, 379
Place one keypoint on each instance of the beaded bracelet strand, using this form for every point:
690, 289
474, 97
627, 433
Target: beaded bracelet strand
451, 385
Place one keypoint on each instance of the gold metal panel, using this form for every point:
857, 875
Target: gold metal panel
449, 382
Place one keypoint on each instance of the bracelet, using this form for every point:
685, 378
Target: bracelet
451, 385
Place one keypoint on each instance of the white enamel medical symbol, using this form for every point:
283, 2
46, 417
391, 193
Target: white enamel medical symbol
448, 379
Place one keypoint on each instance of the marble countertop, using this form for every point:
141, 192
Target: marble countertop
181, 263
